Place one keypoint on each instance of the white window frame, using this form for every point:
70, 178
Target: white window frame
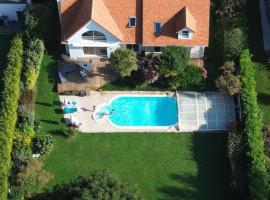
182, 34
132, 17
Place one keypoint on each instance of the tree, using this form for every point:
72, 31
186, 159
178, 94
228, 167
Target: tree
193, 76
149, 68
190, 77
173, 60
227, 82
124, 60
100, 185
235, 41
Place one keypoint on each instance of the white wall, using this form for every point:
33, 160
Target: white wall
76, 43
197, 52
11, 9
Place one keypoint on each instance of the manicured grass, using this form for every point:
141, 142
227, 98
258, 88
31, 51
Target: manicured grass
48, 107
262, 76
262, 70
163, 166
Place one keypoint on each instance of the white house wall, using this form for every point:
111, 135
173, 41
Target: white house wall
10, 10
76, 43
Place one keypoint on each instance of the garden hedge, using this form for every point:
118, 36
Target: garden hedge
257, 172
33, 55
8, 110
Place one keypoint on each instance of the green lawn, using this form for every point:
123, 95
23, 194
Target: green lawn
48, 107
262, 76
163, 166
262, 71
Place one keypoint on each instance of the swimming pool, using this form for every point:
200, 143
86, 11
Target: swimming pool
135, 111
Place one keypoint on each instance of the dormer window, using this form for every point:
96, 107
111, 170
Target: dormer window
132, 22
157, 27
185, 34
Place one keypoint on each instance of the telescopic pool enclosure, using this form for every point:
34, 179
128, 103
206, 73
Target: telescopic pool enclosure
204, 111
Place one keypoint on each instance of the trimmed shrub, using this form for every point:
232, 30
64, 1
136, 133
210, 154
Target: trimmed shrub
227, 82
192, 77
26, 114
27, 97
70, 132
266, 135
42, 144
257, 172
174, 82
124, 61
21, 146
26, 129
172, 60
30, 77
33, 54
235, 41
8, 110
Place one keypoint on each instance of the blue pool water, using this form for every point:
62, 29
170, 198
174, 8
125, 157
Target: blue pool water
143, 111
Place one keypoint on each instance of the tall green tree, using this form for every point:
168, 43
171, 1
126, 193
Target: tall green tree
124, 60
172, 60
100, 185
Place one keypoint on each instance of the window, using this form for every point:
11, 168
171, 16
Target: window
132, 22
94, 36
134, 47
185, 34
157, 49
157, 27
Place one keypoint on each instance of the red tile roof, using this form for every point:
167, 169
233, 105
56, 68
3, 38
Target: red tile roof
113, 15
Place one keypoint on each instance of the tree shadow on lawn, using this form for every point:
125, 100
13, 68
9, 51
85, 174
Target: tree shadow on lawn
52, 72
44, 104
49, 122
212, 179
187, 191
264, 98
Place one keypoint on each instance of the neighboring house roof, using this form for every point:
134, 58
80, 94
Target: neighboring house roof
113, 16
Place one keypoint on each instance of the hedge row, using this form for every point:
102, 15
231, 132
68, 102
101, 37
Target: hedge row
257, 172
8, 110
33, 54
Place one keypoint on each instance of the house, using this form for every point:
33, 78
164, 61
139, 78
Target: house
98, 27
12, 11
265, 19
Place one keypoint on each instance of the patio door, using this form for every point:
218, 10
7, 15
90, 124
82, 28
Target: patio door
95, 51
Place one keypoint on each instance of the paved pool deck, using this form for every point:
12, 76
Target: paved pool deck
86, 104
